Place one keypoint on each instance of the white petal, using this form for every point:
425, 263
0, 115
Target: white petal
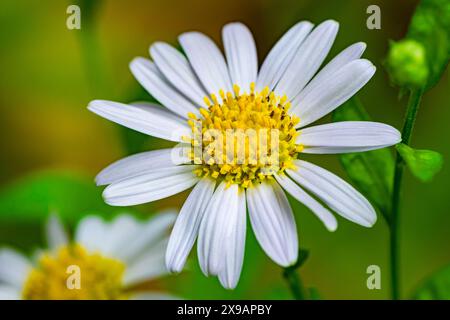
136, 164
56, 235
148, 266
351, 53
118, 234
273, 222
335, 192
308, 58
234, 245
176, 68
14, 267
240, 50
90, 233
348, 136
298, 193
334, 91
149, 234
281, 55
186, 227
148, 118
214, 226
150, 186
207, 61
9, 293
157, 85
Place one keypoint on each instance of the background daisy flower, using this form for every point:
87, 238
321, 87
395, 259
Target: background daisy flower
287, 93
113, 258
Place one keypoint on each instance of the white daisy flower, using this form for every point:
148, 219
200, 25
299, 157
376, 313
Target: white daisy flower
106, 260
287, 93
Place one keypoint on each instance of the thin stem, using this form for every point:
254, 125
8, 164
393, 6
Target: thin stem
411, 114
394, 243
413, 106
292, 277
295, 283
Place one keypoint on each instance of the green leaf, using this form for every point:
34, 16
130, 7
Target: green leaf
30, 199
436, 287
430, 25
423, 164
372, 172
26, 203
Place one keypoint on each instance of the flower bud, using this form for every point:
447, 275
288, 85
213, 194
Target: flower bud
407, 63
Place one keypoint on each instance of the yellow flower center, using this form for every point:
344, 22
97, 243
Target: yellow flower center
243, 138
74, 274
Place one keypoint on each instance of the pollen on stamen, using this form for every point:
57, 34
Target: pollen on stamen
100, 277
256, 114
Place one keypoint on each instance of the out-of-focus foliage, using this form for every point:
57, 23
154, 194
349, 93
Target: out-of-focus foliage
49, 76
372, 172
430, 25
436, 287
314, 294
33, 197
423, 164
428, 38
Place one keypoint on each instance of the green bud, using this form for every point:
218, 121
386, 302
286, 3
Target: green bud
407, 64
423, 164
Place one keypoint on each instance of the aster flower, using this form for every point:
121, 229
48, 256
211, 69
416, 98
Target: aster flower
111, 258
286, 94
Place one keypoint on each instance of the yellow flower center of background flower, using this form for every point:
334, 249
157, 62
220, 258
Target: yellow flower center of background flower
55, 276
257, 137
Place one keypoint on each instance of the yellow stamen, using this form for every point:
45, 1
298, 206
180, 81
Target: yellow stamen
99, 277
258, 112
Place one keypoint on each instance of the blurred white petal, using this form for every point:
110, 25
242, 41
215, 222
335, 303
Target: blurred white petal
14, 267
56, 235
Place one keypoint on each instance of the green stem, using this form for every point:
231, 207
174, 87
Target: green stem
411, 114
295, 283
292, 277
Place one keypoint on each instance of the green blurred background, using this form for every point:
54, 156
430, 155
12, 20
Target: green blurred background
52, 147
